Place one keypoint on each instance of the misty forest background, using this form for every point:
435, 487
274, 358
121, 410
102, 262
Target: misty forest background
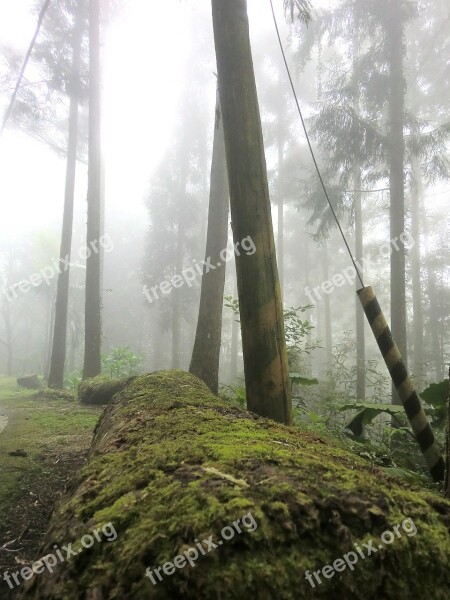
347, 65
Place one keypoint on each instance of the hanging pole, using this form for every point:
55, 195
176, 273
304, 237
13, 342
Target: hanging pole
403, 384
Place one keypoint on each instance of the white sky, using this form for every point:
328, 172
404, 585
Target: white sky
143, 58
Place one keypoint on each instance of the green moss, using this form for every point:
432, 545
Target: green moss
99, 390
53, 394
40, 424
171, 463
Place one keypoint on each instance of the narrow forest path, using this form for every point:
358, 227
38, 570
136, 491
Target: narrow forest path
3, 421
54, 435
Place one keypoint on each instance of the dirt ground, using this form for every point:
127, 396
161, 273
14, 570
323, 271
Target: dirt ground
54, 436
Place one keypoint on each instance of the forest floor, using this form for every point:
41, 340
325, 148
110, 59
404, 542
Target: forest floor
55, 435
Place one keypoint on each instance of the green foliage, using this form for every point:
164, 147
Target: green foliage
232, 304
367, 413
297, 331
436, 395
72, 381
297, 379
234, 394
121, 362
298, 9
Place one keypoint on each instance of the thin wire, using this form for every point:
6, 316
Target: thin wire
24, 66
310, 145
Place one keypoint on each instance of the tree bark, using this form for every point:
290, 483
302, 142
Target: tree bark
280, 248
263, 338
327, 314
206, 352
58, 352
183, 161
434, 316
395, 40
93, 325
359, 249
418, 323
234, 350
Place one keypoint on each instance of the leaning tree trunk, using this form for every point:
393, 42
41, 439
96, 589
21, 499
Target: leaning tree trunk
206, 352
395, 40
93, 325
58, 353
263, 338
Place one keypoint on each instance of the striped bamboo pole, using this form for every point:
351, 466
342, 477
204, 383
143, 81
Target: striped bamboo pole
402, 381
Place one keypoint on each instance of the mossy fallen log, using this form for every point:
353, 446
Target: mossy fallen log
31, 382
171, 465
100, 390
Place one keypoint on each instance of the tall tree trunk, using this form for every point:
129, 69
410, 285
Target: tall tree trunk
359, 246
434, 310
264, 345
176, 300
359, 250
418, 323
206, 352
234, 350
395, 39
58, 352
183, 161
49, 335
93, 325
327, 313
8, 341
447, 447
310, 314
280, 248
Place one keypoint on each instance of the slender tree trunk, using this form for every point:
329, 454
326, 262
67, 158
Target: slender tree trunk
234, 350
359, 250
434, 311
58, 352
49, 336
176, 303
447, 446
280, 248
418, 323
395, 38
176, 298
8, 343
307, 260
93, 325
206, 352
327, 313
264, 346
359, 246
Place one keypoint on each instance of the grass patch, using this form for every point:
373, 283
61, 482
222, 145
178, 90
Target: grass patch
38, 426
